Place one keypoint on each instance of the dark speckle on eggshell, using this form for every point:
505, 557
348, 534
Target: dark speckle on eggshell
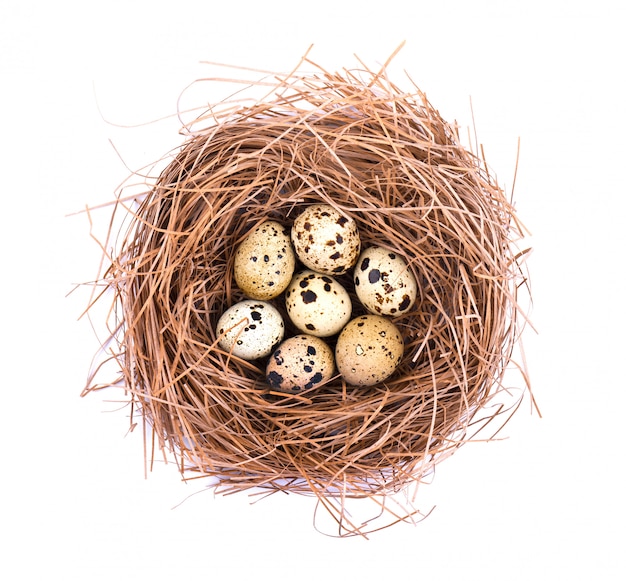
308, 297
317, 378
274, 379
406, 301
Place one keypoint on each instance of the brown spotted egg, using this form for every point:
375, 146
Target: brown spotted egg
317, 304
250, 329
299, 364
383, 282
368, 350
325, 240
264, 261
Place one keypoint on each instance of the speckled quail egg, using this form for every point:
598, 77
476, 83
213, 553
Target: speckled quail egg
317, 304
265, 261
325, 240
250, 329
300, 363
368, 350
383, 282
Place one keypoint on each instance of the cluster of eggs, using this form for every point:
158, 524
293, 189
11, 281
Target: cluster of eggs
327, 244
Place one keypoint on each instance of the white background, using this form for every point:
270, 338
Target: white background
546, 502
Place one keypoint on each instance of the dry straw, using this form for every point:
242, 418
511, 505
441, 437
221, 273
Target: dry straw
386, 158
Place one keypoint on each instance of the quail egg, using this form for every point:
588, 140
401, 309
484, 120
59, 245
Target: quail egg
368, 350
250, 329
317, 304
383, 282
264, 261
325, 240
300, 363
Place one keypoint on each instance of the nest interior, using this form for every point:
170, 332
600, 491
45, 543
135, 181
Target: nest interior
384, 157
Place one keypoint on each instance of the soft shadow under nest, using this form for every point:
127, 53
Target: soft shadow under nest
384, 157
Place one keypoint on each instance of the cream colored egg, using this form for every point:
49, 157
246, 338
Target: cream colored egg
299, 364
265, 261
325, 240
383, 282
317, 304
250, 329
368, 350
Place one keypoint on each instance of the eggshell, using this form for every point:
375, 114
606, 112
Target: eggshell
325, 240
368, 350
299, 364
383, 282
317, 304
250, 329
265, 261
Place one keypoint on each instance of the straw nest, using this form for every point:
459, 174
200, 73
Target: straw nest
384, 157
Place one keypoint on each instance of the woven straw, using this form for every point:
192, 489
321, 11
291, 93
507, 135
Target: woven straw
386, 158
